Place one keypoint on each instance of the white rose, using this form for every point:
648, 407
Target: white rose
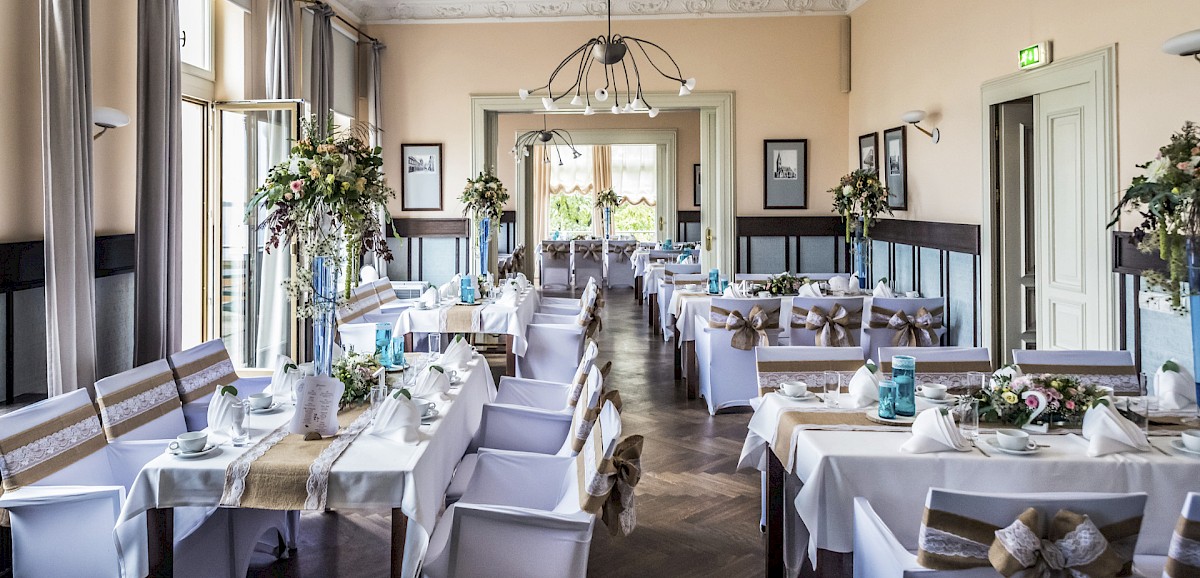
846, 190
479, 186
1158, 169
297, 166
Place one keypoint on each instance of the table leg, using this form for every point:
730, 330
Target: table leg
691, 374
160, 538
408, 342
637, 289
678, 357
510, 358
775, 474
399, 534
653, 313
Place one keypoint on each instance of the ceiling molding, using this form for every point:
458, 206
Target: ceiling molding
448, 11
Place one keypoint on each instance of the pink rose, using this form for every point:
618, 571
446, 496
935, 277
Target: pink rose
1070, 404
1031, 401
1183, 166
297, 185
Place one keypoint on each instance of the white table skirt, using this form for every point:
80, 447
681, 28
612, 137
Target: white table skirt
837, 466
373, 473
493, 318
650, 279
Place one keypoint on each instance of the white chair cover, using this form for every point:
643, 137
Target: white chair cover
809, 317
881, 308
197, 373
775, 365
728, 376
1113, 369
141, 403
675, 274
588, 257
358, 336
618, 263
363, 301
946, 365
384, 292
555, 258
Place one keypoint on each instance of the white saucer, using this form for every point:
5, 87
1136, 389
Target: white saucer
274, 407
1178, 444
208, 450
1025, 452
950, 398
430, 413
806, 395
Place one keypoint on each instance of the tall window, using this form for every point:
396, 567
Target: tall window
572, 192
196, 37
345, 52
632, 171
635, 180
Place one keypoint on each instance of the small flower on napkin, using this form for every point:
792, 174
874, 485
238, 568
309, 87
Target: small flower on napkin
934, 431
1108, 432
457, 355
1174, 386
397, 417
864, 387
882, 290
282, 383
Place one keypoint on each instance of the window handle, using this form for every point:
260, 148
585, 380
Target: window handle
182, 38
708, 239
661, 223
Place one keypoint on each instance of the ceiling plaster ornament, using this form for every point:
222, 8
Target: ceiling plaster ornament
595, 7
549, 8
452, 11
391, 11
698, 6
748, 5
800, 5
643, 7
499, 9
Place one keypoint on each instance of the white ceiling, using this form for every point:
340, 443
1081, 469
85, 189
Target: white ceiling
402, 11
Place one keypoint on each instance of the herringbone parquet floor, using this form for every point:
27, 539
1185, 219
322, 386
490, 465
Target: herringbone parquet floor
697, 517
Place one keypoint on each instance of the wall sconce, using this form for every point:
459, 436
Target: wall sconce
913, 117
1186, 44
106, 118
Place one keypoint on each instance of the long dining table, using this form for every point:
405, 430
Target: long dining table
823, 458
373, 473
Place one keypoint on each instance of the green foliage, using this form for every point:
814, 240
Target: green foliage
570, 213
860, 195
636, 219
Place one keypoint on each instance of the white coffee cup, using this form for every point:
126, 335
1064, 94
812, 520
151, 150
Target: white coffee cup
933, 390
1013, 439
189, 442
260, 401
912, 294
793, 388
1191, 439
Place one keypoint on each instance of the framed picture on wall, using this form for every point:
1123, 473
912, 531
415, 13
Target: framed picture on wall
868, 152
785, 174
696, 185
421, 185
895, 167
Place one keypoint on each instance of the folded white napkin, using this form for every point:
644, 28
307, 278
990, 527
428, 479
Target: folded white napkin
882, 290
508, 296
809, 290
397, 417
864, 388
450, 288
457, 355
430, 383
282, 385
223, 411
839, 284
523, 281
430, 297
852, 284
1108, 432
1174, 386
934, 431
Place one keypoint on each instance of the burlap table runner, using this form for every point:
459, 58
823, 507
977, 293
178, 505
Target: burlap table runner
461, 319
281, 467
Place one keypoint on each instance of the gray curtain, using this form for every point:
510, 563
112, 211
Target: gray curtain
375, 93
67, 186
281, 31
157, 294
321, 65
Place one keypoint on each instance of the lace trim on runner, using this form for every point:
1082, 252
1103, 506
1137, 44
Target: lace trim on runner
318, 472
1184, 550
236, 472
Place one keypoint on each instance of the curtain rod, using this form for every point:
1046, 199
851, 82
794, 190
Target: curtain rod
339, 17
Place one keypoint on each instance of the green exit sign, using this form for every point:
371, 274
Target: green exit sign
1034, 56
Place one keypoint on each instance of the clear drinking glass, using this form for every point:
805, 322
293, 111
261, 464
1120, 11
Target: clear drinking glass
435, 344
241, 435
378, 394
1141, 408
966, 413
975, 380
833, 388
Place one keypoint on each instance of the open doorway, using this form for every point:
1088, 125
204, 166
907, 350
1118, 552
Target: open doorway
1014, 218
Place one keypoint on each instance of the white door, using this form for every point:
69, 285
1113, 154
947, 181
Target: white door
1015, 156
1074, 281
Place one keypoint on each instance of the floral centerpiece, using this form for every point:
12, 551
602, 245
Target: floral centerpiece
483, 200
357, 372
1168, 199
607, 199
1017, 399
860, 196
785, 284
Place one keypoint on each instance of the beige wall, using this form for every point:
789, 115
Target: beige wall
685, 124
20, 105
935, 55
783, 70
114, 83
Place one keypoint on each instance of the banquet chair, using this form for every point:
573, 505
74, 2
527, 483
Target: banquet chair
141, 405
666, 287
587, 260
1183, 553
523, 429
359, 337
727, 374
362, 303
555, 263
902, 322
548, 395
775, 365
1113, 369
555, 344
386, 294
524, 514
878, 553
199, 371
761, 278
826, 321
570, 305
666, 291
948, 365
618, 265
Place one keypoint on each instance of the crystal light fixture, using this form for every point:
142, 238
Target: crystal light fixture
618, 60
547, 136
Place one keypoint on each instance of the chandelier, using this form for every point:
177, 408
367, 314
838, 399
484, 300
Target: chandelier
550, 137
617, 59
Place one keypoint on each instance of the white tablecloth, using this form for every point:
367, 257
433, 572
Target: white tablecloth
650, 277
493, 318
834, 467
373, 473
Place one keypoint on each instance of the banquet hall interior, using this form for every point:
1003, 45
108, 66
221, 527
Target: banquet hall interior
539, 288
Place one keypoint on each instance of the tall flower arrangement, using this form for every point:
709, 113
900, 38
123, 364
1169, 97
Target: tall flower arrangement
330, 197
860, 195
484, 197
1168, 199
607, 199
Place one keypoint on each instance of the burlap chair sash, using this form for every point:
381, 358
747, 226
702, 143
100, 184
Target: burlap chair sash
556, 251
916, 331
591, 321
197, 378
1069, 544
48, 447
623, 252
137, 404
749, 330
606, 485
1183, 555
592, 251
833, 328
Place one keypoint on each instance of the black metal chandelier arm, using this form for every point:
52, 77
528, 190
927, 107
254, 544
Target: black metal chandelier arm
639, 43
625, 69
549, 88
579, 75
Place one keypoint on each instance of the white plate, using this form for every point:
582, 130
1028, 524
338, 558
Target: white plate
1178, 444
274, 407
1025, 452
209, 450
950, 398
807, 395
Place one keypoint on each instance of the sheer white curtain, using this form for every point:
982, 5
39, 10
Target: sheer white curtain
569, 175
635, 173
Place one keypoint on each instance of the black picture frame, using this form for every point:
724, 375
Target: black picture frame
785, 174
421, 177
696, 185
868, 152
895, 167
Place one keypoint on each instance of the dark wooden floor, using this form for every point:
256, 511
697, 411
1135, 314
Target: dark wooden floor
696, 516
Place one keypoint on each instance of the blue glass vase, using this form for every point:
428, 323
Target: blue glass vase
485, 231
383, 343
904, 374
607, 222
325, 275
466, 293
714, 281
887, 399
860, 252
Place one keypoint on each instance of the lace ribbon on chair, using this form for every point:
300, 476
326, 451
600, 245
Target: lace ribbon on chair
583, 422
1121, 378
606, 485
833, 328
138, 404
46, 448
1183, 555
196, 378
556, 250
748, 331
916, 331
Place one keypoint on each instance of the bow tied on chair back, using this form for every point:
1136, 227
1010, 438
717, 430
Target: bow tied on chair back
749, 330
832, 328
556, 250
591, 321
626, 251
916, 331
610, 492
1071, 547
518, 258
593, 251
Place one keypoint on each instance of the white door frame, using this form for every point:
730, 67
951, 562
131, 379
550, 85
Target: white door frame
716, 154
1098, 67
